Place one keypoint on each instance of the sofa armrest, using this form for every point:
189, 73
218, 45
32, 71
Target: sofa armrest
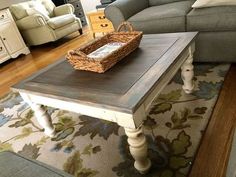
64, 9
121, 10
32, 21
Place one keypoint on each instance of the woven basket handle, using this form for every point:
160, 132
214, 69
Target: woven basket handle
125, 25
77, 52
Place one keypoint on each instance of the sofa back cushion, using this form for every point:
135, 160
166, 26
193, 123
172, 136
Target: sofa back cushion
19, 11
160, 2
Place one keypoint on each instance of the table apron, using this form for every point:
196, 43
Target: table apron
123, 119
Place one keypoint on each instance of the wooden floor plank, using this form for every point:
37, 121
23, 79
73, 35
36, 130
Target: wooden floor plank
212, 157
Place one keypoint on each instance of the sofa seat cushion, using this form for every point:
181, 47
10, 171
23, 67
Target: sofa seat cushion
160, 2
60, 21
212, 19
164, 18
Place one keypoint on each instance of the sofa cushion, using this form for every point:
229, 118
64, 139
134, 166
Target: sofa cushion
160, 2
212, 3
60, 21
164, 18
212, 19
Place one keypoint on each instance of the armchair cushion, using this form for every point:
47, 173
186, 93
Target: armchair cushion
60, 21
161, 19
64, 9
32, 21
32, 11
44, 6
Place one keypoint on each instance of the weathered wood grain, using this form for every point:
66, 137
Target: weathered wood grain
122, 88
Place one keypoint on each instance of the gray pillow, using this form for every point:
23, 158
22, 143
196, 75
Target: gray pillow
160, 2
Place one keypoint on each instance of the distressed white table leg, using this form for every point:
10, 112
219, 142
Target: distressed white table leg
187, 74
44, 119
138, 149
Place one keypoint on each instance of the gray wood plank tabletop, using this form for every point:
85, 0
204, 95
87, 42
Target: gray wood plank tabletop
123, 87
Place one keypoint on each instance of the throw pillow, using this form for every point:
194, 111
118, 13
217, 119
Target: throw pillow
212, 3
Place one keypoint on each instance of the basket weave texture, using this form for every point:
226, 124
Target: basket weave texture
79, 60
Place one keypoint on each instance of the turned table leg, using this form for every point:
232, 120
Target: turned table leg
187, 74
138, 149
43, 118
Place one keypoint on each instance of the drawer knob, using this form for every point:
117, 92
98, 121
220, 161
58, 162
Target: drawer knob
4, 38
104, 25
101, 17
2, 17
1, 49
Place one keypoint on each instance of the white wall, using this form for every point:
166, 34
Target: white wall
89, 5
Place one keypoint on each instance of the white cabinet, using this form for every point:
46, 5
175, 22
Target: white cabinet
11, 42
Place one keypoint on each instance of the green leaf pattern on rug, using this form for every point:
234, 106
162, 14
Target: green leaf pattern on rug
89, 149
4, 146
63, 134
175, 119
25, 132
164, 102
30, 151
207, 90
177, 162
23, 120
181, 144
74, 166
94, 127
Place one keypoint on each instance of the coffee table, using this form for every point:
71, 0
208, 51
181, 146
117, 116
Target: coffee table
123, 94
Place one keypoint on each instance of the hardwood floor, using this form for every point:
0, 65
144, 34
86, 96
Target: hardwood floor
213, 154
212, 157
17, 69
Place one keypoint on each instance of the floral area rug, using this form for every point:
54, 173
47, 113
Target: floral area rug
88, 147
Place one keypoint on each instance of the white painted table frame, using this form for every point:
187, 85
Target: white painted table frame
136, 138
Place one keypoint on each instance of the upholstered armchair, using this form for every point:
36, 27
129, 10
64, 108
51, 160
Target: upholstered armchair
40, 21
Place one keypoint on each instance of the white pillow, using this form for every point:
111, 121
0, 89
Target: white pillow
32, 11
212, 3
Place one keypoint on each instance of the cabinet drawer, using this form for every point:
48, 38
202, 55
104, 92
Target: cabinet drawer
77, 5
107, 26
4, 15
3, 51
83, 21
79, 13
100, 18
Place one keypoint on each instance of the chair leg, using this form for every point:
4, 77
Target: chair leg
80, 31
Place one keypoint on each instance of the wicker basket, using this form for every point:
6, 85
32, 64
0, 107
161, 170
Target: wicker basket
79, 57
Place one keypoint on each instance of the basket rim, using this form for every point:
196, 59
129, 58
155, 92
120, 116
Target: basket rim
137, 33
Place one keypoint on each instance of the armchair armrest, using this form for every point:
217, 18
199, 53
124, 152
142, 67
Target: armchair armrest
64, 9
121, 10
32, 21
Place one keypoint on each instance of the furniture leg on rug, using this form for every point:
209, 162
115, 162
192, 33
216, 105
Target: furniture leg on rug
44, 119
187, 73
138, 149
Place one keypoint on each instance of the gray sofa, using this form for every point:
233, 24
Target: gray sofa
15, 165
217, 25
